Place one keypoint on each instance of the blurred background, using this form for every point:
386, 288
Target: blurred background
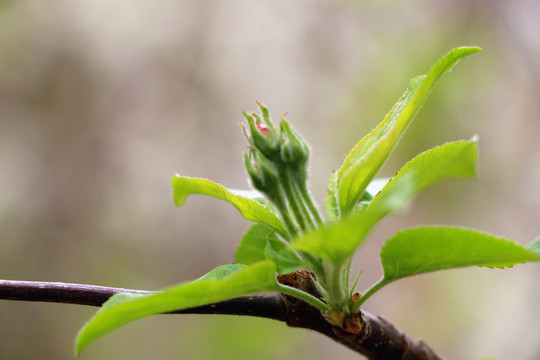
101, 102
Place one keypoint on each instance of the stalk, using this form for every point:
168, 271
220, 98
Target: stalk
286, 216
310, 299
302, 203
372, 290
335, 287
288, 188
310, 203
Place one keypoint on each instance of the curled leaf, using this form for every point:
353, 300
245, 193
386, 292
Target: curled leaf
250, 209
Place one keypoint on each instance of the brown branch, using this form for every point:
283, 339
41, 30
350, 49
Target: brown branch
375, 337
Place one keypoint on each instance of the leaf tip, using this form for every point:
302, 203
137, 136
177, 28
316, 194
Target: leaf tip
174, 179
80, 344
466, 50
178, 198
473, 49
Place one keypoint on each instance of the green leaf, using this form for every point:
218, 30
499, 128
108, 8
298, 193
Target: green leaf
430, 248
455, 160
330, 201
534, 246
250, 209
229, 282
251, 247
366, 158
425, 249
338, 241
222, 272
341, 239
254, 195
261, 243
283, 255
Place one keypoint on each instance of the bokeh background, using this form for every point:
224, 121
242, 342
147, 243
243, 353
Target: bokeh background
101, 102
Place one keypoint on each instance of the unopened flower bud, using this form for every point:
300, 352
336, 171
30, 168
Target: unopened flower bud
266, 116
264, 137
294, 150
254, 173
263, 129
264, 174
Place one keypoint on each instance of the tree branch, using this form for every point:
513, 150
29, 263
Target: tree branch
376, 338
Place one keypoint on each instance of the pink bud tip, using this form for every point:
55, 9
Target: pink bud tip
263, 129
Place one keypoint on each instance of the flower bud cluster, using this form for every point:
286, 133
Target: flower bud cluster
277, 165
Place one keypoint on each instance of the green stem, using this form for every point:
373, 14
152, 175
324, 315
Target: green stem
372, 290
289, 225
345, 273
310, 203
291, 197
304, 209
335, 287
285, 215
310, 299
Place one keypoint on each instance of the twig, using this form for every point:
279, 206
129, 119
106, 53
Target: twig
377, 338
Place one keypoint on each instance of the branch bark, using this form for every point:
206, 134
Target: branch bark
376, 337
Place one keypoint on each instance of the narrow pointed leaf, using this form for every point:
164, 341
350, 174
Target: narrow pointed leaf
250, 209
251, 247
283, 256
366, 158
225, 284
425, 249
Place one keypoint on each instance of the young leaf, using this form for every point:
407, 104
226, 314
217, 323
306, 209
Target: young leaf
366, 158
222, 272
226, 283
251, 247
338, 241
250, 209
430, 248
424, 249
261, 243
283, 256
330, 201
455, 160
256, 196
